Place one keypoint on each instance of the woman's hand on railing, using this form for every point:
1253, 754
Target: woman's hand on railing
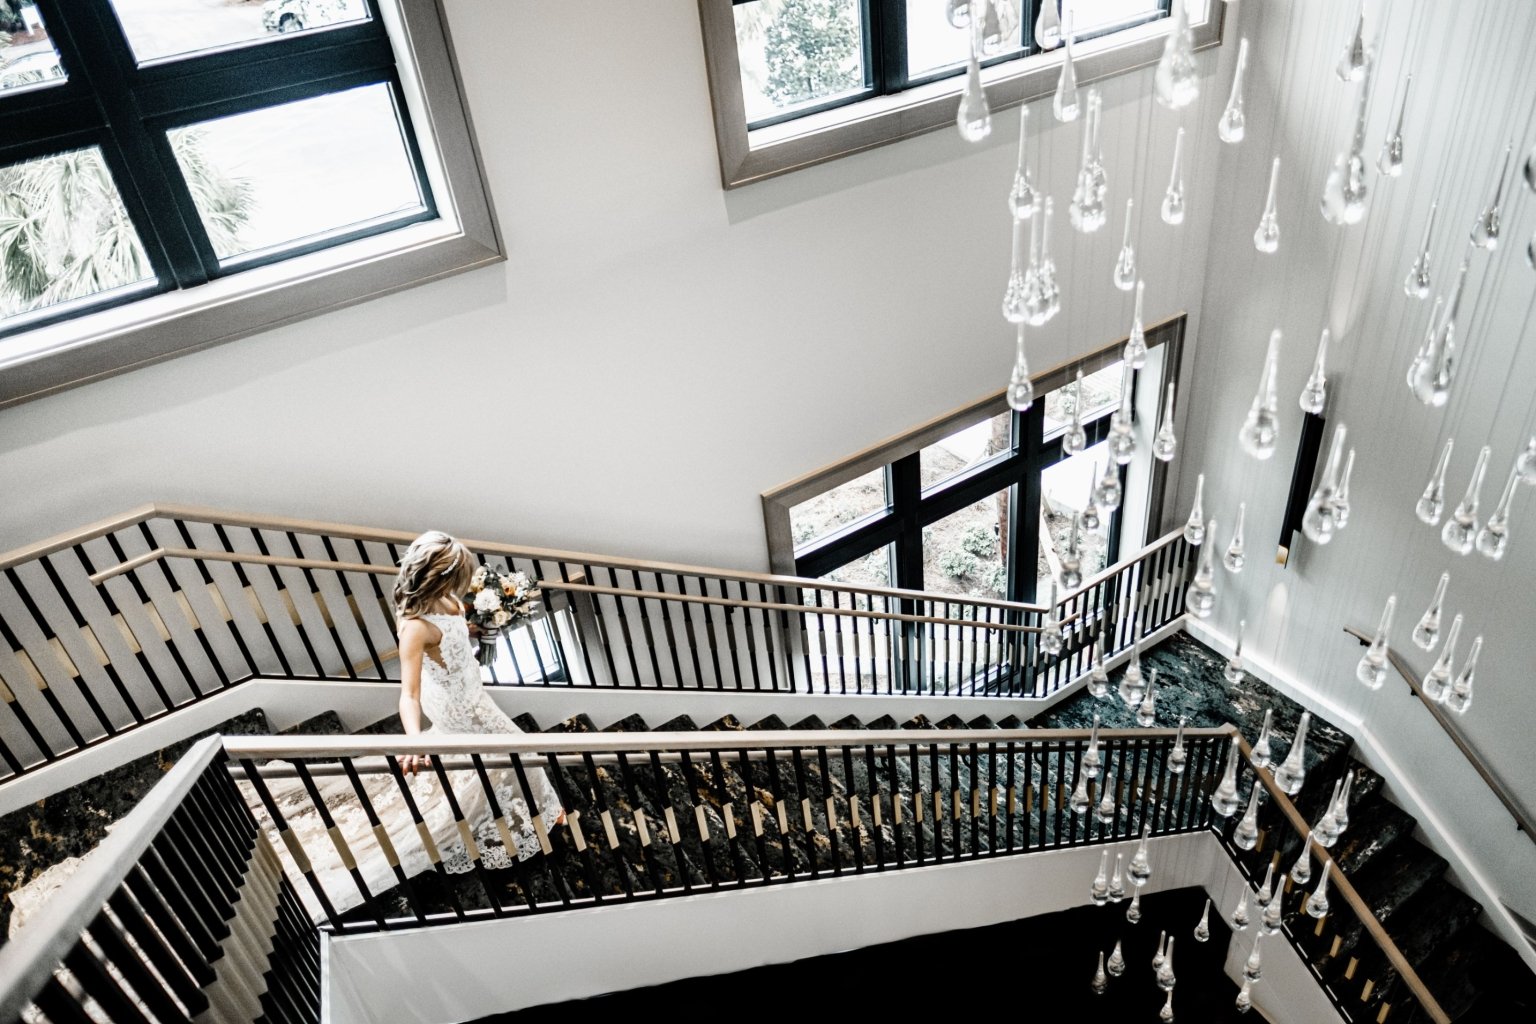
410, 764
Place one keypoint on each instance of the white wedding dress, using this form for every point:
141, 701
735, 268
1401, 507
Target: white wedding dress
454, 699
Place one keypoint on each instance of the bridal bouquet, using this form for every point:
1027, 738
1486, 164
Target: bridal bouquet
497, 600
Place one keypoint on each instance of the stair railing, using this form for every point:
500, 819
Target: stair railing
121, 623
1363, 972
183, 909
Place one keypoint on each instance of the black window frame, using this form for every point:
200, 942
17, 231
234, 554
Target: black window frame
110, 101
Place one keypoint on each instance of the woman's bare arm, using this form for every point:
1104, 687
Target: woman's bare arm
415, 635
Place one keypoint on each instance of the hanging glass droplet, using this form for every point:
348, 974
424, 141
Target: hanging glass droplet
1173, 199
1315, 394
973, 117
1079, 803
1141, 862
1438, 681
1122, 423
1530, 169
1050, 628
1087, 210
1341, 805
1416, 284
1432, 502
1146, 711
1200, 598
1236, 556
1232, 672
1317, 903
1178, 757
1253, 967
1165, 976
1194, 527
1165, 444
1320, 520
1261, 429
1161, 954
1176, 82
1493, 538
1240, 913
1390, 162
1125, 263
1263, 746
1262, 896
1244, 1001
1092, 762
1072, 557
1132, 684
1301, 871
1326, 831
1091, 508
1109, 490
1341, 505
1372, 669
1021, 390
1525, 465
1485, 232
1346, 191
1427, 633
1246, 834
1050, 289
1099, 890
1233, 125
1100, 979
1076, 438
1048, 26
1117, 880
1133, 909
1435, 369
1064, 104
1098, 678
1266, 238
1460, 697
1353, 63
1292, 773
1106, 815
999, 25
1224, 799
1460, 530
1136, 344
1273, 914
1116, 964
1166, 1013
1021, 198
958, 12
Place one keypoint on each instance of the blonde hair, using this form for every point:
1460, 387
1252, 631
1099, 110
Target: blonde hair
434, 566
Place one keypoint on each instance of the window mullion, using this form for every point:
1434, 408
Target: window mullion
890, 34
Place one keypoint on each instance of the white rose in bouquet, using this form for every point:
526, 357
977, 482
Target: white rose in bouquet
487, 601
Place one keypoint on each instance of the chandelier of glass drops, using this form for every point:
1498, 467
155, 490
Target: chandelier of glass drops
1176, 83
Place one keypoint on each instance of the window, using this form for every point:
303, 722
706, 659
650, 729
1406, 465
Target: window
796, 82
225, 163
979, 504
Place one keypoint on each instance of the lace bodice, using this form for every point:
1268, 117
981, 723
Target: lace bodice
451, 692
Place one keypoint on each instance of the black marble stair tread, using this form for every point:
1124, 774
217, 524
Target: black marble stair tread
326, 723
773, 723
1451, 973
682, 723
1395, 876
1432, 917
629, 723
982, 722
810, 723
391, 726
576, 723
848, 722
526, 722
1373, 828
1368, 784
950, 722
883, 722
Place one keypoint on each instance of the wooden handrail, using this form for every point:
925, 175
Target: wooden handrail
1343, 887
1525, 820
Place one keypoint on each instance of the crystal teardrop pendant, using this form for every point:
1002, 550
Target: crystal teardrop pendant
1253, 967
1273, 914
1050, 289
1493, 538
1246, 835
1117, 880
1161, 954
1460, 697
1433, 376
958, 12
1122, 423
1301, 871
1165, 975
1416, 284
1194, 527
1317, 903
1050, 627
1133, 909
1106, 814
1141, 864
1345, 192
1438, 681
1048, 26
1017, 290
1087, 210
1100, 979
1261, 750
1261, 429
1262, 896
1021, 198
1320, 521
1315, 394
1133, 686
1233, 125
1091, 507
1236, 557
1266, 238
1176, 82
1485, 232
1224, 800
1021, 390
1244, 1001
1427, 633
1098, 678
1530, 169
1080, 801
1178, 757
1372, 669
1099, 890
1240, 913
1341, 805
1420, 370
1353, 63
1341, 505
1233, 671
1092, 762
1201, 596
1076, 438
1390, 162
1326, 831
973, 117
1109, 490
1432, 502
1125, 263
1165, 444
1292, 773
1146, 711
1116, 964
1166, 1013
1136, 344
1173, 199
1460, 530
1525, 465
1064, 104
999, 25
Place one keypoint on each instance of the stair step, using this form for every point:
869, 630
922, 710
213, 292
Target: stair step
326, 723
1373, 829
576, 723
1435, 914
1393, 878
629, 723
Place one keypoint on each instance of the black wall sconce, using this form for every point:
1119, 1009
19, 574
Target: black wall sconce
1301, 483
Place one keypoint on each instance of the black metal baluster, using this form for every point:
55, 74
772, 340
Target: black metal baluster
555, 856
754, 813
729, 612
429, 844
781, 815
728, 815
666, 622
876, 816
339, 841
855, 816
709, 634
386, 845
46, 630
621, 866
147, 988
172, 964
674, 834
769, 652
629, 644
838, 654
916, 764
145, 667
642, 830
976, 805
831, 810
188, 939
821, 644
692, 785
936, 781
246, 588
102, 987
693, 648
803, 805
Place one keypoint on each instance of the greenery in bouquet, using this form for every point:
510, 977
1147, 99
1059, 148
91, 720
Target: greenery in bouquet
497, 600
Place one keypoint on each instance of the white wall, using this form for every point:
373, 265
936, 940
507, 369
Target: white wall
1471, 92
674, 349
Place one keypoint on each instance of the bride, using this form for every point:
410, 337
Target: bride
439, 676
